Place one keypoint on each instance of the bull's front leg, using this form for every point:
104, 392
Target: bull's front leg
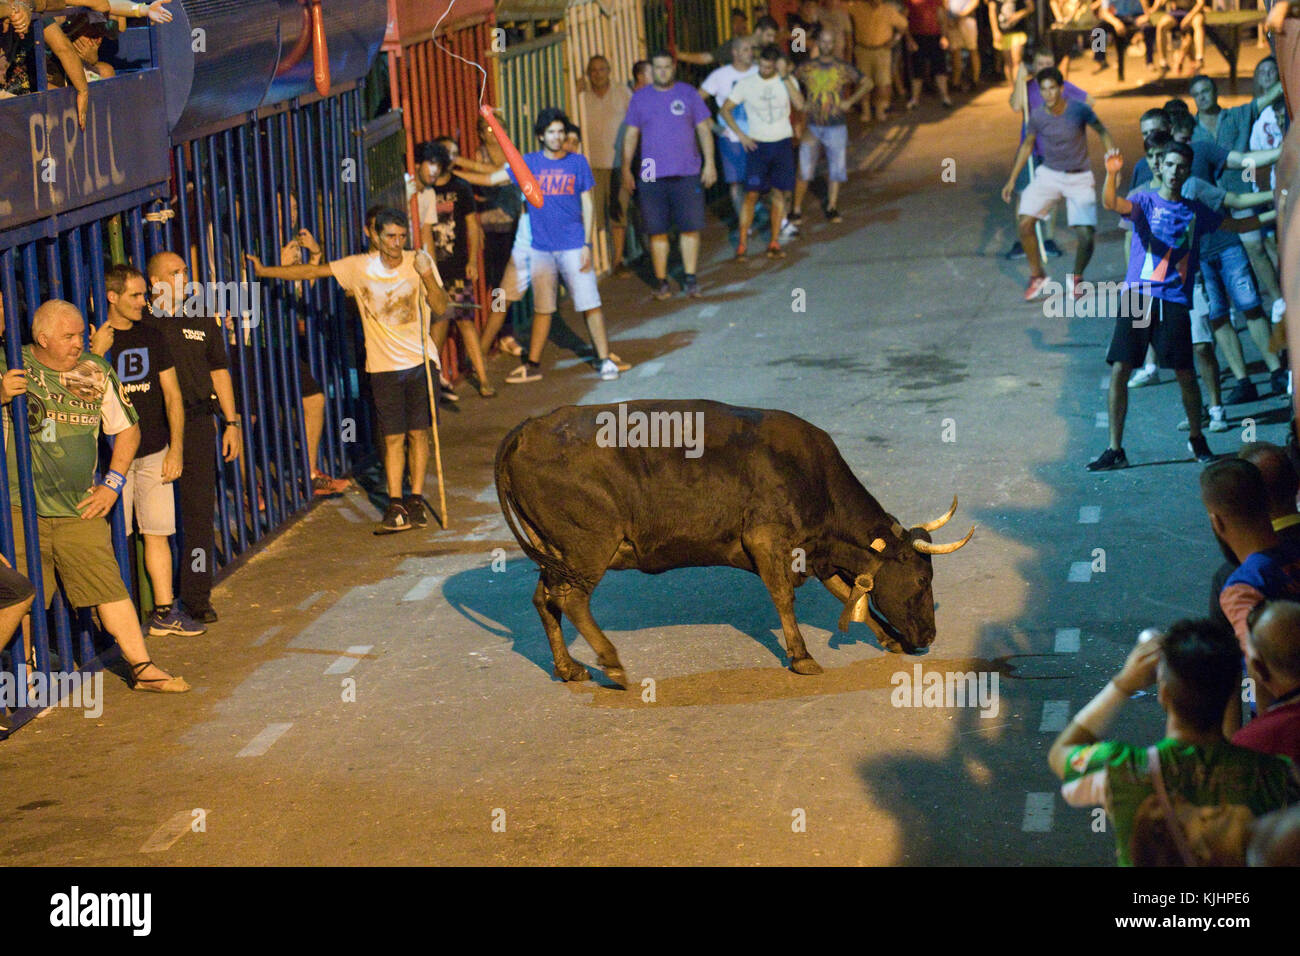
774, 563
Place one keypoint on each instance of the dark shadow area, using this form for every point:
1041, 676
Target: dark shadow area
631, 601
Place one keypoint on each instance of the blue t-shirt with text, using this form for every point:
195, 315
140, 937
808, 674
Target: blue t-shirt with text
1164, 258
557, 225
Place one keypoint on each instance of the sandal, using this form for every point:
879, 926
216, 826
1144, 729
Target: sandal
156, 685
740, 252
484, 390
622, 366
774, 251
508, 345
522, 375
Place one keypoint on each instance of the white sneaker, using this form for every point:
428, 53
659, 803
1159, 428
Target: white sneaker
608, 371
788, 229
1218, 419
1146, 375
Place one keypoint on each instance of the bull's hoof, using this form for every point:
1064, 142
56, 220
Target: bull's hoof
572, 672
806, 666
618, 676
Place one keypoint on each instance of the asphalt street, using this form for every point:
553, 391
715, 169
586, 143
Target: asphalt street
389, 700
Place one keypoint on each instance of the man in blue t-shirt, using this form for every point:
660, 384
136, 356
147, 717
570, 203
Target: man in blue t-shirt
1163, 261
562, 230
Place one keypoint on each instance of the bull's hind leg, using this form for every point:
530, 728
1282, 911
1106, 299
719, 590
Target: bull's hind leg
576, 603
773, 563
548, 609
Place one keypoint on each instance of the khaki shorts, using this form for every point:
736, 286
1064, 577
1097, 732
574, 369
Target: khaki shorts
600, 194
145, 494
963, 34
81, 551
875, 65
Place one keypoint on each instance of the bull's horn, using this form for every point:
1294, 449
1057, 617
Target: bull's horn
878, 545
837, 587
925, 547
938, 523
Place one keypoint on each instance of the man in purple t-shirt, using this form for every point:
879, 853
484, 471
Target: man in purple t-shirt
1025, 98
1164, 257
668, 119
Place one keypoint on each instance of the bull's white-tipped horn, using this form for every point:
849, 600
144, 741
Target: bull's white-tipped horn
925, 547
938, 523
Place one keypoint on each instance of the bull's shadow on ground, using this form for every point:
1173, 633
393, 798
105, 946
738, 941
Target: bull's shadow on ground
501, 602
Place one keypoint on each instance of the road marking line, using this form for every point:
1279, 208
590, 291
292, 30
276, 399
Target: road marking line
1080, 572
1102, 420
348, 514
362, 504
1105, 383
483, 619
263, 741
266, 635
1090, 514
709, 311
1067, 640
310, 600
650, 368
351, 657
1039, 808
1056, 714
424, 588
167, 834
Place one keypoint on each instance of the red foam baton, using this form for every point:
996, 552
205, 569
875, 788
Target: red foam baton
532, 191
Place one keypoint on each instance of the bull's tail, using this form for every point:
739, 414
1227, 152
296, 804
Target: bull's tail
516, 520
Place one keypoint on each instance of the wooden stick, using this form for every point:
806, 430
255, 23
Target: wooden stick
433, 416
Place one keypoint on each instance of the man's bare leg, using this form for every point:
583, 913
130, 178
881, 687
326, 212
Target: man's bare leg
1226, 336
417, 458
596, 326
747, 216
537, 341
690, 253
313, 423
1260, 328
832, 195
394, 460
800, 191
1191, 395
469, 336
1208, 365
659, 255
778, 213
120, 620
1117, 403
618, 237
158, 562
1025, 227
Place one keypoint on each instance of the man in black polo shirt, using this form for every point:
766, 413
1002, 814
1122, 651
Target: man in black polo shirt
203, 371
148, 375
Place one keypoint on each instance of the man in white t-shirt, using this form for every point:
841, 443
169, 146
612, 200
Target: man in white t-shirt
603, 106
719, 84
767, 97
392, 287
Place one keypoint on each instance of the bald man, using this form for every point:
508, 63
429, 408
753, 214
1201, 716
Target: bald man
203, 370
1273, 662
78, 393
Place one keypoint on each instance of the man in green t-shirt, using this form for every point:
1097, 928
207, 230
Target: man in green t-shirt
71, 393
1197, 668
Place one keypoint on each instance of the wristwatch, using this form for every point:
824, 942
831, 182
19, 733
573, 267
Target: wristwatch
232, 421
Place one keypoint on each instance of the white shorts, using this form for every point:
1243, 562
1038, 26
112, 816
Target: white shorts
1050, 186
518, 275
549, 267
145, 494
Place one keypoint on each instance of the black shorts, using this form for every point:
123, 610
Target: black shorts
14, 588
402, 399
1165, 326
307, 383
929, 50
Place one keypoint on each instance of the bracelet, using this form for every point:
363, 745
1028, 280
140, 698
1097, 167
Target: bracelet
140, 9
231, 422
114, 481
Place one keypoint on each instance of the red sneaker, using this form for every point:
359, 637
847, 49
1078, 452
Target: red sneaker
1035, 288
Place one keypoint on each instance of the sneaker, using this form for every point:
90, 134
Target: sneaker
618, 362
417, 509
523, 374
176, 622
788, 229
322, 485
795, 219
774, 251
395, 519
1035, 288
1109, 460
692, 288
1205, 420
1017, 251
1244, 391
1200, 448
663, 292
1277, 380
1218, 419
508, 345
445, 393
1147, 375
1052, 249
1075, 287
833, 215
608, 371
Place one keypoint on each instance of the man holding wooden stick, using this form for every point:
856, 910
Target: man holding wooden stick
392, 285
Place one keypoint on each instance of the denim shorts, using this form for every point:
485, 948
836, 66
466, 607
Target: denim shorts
836, 141
673, 201
1228, 278
733, 160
